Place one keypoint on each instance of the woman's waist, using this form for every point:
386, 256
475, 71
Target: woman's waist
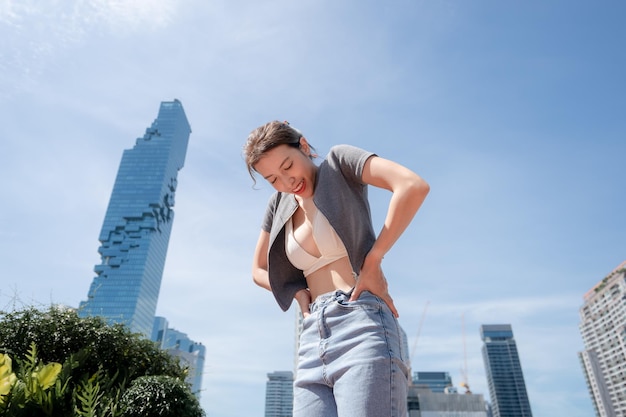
335, 276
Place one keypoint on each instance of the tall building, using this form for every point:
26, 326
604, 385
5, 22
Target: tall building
432, 394
136, 229
603, 329
190, 353
507, 388
435, 381
279, 394
423, 402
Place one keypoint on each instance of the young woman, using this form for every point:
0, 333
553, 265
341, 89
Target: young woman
318, 245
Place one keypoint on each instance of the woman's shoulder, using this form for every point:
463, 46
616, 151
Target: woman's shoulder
347, 154
348, 159
275, 200
344, 149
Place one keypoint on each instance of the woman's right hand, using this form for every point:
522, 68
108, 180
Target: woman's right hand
303, 297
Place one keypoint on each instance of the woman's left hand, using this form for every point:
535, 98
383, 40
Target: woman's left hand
373, 280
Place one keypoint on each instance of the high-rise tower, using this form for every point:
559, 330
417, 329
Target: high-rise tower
279, 394
507, 388
190, 353
137, 224
603, 329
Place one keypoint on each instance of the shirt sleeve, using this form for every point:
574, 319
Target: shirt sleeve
268, 219
350, 160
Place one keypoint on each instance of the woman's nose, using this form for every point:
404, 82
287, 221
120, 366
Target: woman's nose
288, 180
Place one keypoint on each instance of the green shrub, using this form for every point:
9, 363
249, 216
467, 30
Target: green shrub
59, 333
160, 396
54, 363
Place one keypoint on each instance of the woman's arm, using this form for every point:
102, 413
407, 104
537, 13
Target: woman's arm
259, 261
261, 276
408, 192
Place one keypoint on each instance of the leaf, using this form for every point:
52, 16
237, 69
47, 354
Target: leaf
7, 377
48, 375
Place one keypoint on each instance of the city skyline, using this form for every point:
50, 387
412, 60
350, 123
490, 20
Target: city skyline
511, 111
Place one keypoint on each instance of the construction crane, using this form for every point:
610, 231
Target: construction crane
464, 382
417, 336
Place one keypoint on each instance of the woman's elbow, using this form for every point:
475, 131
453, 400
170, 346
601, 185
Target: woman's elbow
256, 280
260, 278
419, 188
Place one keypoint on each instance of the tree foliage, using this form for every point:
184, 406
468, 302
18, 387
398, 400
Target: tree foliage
59, 333
53, 362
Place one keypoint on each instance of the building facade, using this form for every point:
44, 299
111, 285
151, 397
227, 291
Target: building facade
438, 404
505, 379
137, 225
279, 394
191, 354
603, 329
435, 381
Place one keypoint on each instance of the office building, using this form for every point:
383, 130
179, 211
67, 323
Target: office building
425, 403
603, 329
505, 379
279, 394
191, 354
136, 229
435, 381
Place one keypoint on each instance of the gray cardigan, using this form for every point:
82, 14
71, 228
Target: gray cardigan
341, 196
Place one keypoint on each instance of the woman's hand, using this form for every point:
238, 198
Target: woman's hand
373, 280
303, 297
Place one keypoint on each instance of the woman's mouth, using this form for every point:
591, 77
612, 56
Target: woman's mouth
299, 188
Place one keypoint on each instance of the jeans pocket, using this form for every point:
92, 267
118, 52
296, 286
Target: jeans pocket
366, 301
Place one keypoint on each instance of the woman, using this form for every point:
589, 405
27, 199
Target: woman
318, 245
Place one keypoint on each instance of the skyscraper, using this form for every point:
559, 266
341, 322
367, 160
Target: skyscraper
136, 229
603, 329
507, 388
279, 394
178, 344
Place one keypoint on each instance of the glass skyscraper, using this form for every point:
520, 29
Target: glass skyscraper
190, 353
136, 229
507, 388
603, 329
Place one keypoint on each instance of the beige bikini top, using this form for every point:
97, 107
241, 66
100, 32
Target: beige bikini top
328, 243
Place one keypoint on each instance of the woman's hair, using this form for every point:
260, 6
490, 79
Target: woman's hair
267, 137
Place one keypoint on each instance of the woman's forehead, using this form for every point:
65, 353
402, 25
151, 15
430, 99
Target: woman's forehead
274, 159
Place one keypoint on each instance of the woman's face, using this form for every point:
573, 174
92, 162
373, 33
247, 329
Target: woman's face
289, 169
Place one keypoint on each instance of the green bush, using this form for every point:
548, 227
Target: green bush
160, 396
67, 366
59, 333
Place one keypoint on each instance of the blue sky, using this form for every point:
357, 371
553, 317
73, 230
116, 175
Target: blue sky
512, 111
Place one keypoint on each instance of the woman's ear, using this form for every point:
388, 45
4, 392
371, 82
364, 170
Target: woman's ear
305, 147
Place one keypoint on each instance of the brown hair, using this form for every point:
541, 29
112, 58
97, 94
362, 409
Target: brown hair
267, 137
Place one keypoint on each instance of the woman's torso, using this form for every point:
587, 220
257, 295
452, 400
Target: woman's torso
336, 275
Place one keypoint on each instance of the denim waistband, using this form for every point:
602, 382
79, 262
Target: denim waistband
329, 297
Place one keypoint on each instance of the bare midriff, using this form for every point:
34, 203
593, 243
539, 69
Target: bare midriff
334, 276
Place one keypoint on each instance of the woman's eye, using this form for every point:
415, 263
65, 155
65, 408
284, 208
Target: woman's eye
289, 166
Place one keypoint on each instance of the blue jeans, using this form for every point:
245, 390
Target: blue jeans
351, 361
